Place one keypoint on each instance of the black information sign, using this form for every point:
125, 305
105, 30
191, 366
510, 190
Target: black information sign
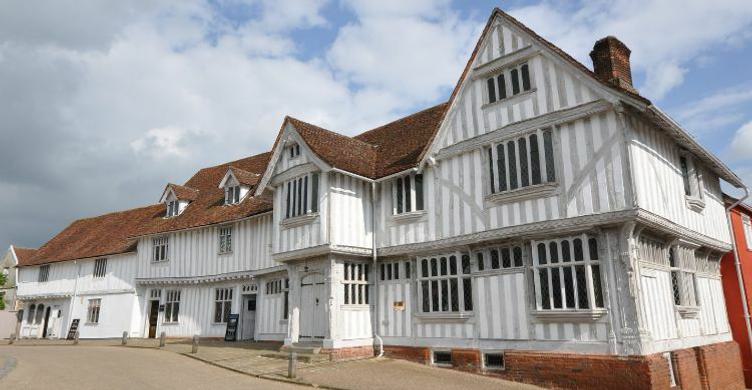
73, 329
231, 334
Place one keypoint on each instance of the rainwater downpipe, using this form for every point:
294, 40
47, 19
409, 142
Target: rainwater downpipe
737, 264
375, 271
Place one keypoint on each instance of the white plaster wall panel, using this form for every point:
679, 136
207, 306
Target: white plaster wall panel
196, 252
114, 315
285, 162
395, 323
61, 279
355, 323
658, 305
659, 185
288, 238
351, 211
501, 306
121, 271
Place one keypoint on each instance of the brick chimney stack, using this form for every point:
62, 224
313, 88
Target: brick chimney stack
611, 62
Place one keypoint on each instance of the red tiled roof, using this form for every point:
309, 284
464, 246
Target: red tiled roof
244, 177
23, 254
183, 192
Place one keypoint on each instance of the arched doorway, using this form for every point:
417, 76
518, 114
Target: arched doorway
313, 300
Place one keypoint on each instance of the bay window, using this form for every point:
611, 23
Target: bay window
301, 195
407, 194
521, 162
567, 274
445, 284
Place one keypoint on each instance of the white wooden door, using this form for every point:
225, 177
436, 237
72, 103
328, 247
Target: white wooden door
313, 307
248, 317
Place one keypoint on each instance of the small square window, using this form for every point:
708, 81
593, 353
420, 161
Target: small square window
443, 358
493, 361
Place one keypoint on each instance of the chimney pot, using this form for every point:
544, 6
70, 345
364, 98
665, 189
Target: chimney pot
611, 62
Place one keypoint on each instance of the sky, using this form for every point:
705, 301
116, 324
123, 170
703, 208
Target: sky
105, 102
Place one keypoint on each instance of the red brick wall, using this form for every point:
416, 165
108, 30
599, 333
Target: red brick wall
349, 353
711, 367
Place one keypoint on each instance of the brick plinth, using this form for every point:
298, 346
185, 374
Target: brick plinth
349, 353
711, 367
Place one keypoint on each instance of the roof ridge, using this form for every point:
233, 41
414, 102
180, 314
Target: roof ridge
331, 131
401, 119
115, 212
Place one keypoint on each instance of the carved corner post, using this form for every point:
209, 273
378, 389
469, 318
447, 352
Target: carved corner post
293, 317
634, 335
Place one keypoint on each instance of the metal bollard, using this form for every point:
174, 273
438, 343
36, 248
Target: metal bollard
12, 338
194, 348
162, 339
292, 365
125, 337
75, 339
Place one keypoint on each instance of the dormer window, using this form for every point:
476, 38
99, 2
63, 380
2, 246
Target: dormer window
294, 150
232, 195
173, 208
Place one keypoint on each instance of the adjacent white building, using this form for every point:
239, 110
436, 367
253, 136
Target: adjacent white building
543, 208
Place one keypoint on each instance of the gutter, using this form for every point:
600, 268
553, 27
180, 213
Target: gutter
737, 265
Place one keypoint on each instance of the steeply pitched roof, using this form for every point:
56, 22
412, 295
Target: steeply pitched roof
104, 235
23, 255
244, 177
183, 192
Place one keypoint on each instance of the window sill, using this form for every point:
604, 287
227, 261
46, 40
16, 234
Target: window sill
688, 312
508, 99
525, 193
160, 261
171, 323
298, 221
444, 317
569, 315
91, 323
411, 216
224, 253
694, 203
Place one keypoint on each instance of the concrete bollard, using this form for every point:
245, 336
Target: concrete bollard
12, 338
292, 365
75, 339
194, 348
162, 337
125, 338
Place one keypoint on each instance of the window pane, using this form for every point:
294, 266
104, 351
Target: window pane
512, 159
396, 270
435, 295
455, 294
407, 270
388, 272
481, 265
578, 255
218, 312
502, 86
517, 256
501, 167
299, 197
400, 209
545, 300
535, 171
515, 82
426, 296
491, 170
419, 192
506, 258
347, 293
494, 259
425, 267
408, 195
466, 264
315, 192
556, 287
597, 289
685, 175
675, 287
305, 194
452, 265
554, 252
569, 287
443, 265
548, 148
582, 297
542, 254
445, 295
524, 175
491, 90
287, 204
566, 255
467, 290
434, 267
593, 247
525, 78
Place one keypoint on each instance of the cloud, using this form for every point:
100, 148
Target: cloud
716, 112
665, 36
741, 145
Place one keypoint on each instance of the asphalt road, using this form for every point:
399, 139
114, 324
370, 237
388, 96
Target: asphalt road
90, 367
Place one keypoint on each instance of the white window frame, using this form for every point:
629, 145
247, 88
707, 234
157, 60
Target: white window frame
747, 226
355, 284
300, 195
294, 151
499, 165
160, 249
100, 268
683, 274
173, 208
44, 273
508, 83
225, 239
93, 311
408, 200
550, 266
232, 195
223, 303
507, 257
172, 307
462, 277
395, 270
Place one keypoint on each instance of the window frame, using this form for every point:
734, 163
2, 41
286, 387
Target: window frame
300, 195
223, 298
173, 208
355, 284
463, 281
43, 274
747, 229
683, 276
408, 194
160, 249
232, 195
569, 287
172, 306
507, 178
100, 268
225, 244
294, 151
486, 258
93, 311
508, 76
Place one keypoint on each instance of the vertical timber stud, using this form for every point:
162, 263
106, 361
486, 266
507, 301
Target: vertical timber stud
194, 348
292, 365
162, 339
125, 337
